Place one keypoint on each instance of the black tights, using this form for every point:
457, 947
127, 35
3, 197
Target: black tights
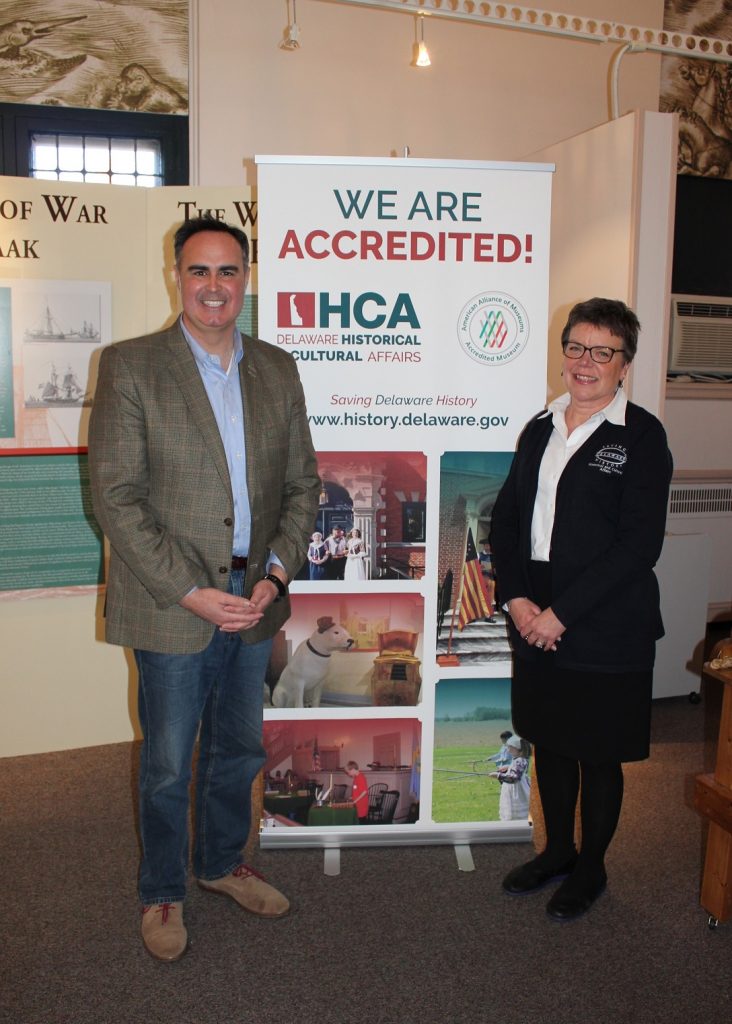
602, 797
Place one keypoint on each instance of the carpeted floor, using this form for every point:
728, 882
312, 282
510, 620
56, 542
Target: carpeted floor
400, 935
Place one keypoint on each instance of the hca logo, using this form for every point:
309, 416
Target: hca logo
370, 310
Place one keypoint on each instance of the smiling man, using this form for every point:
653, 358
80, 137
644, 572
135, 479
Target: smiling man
205, 483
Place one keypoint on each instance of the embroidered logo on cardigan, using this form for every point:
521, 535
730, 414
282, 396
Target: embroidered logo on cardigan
610, 459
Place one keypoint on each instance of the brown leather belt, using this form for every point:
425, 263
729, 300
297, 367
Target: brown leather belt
238, 563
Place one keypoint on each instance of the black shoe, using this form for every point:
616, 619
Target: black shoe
574, 897
532, 877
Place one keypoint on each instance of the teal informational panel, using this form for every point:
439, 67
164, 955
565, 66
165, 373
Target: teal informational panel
48, 536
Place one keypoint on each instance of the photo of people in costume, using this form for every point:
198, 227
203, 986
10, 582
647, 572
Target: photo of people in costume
471, 625
371, 521
482, 769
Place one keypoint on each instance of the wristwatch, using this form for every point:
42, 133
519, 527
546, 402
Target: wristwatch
281, 587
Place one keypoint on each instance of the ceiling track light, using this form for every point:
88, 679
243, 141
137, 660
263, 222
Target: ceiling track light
291, 40
570, 26
420, 53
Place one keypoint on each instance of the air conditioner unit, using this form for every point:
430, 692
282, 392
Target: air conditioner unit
701, 335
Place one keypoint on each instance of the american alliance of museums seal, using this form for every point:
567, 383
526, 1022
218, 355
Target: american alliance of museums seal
493, 328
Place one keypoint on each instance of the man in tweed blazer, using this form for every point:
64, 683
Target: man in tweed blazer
205, 483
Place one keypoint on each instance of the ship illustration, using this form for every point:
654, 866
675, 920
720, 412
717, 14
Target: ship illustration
51, 330
59, 390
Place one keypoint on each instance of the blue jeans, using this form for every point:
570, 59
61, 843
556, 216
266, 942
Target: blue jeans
220, 690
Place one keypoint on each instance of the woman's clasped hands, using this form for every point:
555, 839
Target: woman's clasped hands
539, 628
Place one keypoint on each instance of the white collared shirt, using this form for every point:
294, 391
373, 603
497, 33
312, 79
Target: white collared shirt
557, 454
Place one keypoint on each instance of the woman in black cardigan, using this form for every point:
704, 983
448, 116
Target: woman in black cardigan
576, 531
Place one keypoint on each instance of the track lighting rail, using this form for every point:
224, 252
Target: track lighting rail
572, 26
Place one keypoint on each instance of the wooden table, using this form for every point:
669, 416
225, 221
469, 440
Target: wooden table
713, 799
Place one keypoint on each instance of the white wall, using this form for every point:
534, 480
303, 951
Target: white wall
491, 93
62, 686
611, 234
592, 238
700, 433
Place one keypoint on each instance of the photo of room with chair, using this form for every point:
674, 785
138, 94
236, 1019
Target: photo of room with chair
341, 772
348, 650
471, 625
481, 769
371, 519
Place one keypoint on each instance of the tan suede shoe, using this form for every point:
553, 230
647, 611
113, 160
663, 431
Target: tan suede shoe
250, 891
163, 932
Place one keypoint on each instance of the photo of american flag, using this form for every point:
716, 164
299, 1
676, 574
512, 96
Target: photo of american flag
474, 600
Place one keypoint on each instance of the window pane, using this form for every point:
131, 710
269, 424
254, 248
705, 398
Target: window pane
44, 152
96, 158
148, 157
70, 153
123, 156
96, 154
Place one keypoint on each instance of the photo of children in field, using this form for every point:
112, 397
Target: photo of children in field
477, 754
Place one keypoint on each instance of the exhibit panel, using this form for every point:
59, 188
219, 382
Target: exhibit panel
413, 296
83, 265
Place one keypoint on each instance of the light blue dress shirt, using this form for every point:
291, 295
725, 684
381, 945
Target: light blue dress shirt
223, 388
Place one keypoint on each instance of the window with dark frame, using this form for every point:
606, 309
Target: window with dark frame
98, 159
107, 146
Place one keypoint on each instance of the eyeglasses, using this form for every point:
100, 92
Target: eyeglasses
598, 353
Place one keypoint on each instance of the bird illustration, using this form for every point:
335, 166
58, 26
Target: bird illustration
17, 59
138, 90
16, 34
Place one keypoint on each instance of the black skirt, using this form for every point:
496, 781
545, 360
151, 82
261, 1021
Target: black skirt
590, 716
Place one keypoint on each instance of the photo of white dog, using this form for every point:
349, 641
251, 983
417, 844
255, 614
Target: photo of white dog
302, 679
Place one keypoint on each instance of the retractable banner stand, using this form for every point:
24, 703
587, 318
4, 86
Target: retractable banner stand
413, 295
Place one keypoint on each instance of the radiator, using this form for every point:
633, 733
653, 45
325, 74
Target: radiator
683, 576
704, 505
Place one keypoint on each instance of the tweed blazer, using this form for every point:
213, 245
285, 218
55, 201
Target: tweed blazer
161, 488
608, 532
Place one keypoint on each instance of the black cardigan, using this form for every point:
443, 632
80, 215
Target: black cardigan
608, 532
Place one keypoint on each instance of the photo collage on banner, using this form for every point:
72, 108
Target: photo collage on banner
413, 296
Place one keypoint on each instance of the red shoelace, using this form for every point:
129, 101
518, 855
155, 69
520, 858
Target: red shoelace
242, 871
160, 908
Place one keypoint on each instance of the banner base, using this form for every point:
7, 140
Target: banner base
434, 835
464, 857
